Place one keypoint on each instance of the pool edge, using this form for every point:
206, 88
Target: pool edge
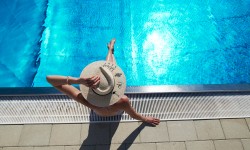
10, 91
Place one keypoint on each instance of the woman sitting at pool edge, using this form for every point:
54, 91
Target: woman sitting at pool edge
63, 84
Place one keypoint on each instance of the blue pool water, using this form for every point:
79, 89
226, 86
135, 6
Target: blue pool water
159, 42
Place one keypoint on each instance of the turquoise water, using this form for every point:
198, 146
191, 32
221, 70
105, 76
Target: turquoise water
159, 42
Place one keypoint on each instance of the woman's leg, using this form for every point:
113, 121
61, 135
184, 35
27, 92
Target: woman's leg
124, 104
110, 56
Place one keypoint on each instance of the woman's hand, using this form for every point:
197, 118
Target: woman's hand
91, 82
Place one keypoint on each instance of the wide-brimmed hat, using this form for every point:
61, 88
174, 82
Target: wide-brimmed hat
112, 83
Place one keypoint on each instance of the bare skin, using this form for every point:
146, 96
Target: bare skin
63, 84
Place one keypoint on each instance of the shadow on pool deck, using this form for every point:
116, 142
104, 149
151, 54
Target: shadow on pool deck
130, 139
102, 134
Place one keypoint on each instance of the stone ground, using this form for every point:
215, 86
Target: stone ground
218, 134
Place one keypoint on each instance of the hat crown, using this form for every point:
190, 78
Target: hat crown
106, 84
113, 82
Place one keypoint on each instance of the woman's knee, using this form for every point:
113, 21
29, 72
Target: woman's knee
124, 99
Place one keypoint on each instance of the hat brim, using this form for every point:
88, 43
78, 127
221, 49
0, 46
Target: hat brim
119, 86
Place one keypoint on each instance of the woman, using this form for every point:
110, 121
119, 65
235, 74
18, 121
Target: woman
63, 84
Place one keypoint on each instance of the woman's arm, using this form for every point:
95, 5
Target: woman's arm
62, 83
56, 80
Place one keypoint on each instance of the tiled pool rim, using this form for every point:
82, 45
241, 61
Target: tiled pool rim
47, 105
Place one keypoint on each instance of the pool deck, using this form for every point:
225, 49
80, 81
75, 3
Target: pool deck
217, 134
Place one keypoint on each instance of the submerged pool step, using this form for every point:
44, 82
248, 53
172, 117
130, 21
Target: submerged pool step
166, 106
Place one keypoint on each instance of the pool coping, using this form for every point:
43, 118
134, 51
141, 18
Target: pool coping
11, 91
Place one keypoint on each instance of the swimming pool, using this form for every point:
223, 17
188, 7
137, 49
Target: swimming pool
159, 42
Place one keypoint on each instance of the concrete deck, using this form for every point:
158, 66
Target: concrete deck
219, 134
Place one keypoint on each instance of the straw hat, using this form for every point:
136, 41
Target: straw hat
112, 83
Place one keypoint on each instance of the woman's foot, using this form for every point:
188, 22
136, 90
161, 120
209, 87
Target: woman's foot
153, 121
111, 45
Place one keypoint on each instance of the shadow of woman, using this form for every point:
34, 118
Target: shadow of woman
100, 132
131, 138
